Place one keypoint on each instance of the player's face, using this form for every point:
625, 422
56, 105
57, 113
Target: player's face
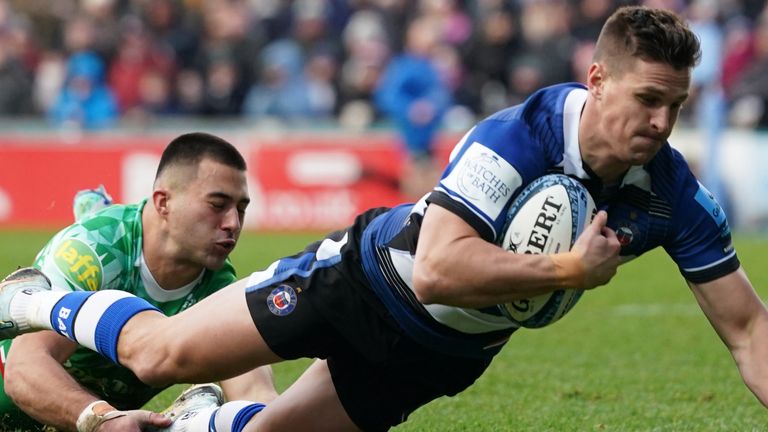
207, 218
639, 107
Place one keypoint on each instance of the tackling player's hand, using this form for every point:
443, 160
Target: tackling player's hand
598, 249
135, 421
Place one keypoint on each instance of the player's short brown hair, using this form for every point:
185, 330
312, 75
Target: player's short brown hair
654, 35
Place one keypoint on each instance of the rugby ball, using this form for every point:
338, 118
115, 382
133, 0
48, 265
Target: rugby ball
546, 218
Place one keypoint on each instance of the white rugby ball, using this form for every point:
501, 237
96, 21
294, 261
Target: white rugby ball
546, 218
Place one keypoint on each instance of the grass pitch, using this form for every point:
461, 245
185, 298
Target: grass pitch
636, 355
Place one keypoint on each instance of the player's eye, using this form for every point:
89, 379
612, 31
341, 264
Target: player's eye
218, 206
647, 100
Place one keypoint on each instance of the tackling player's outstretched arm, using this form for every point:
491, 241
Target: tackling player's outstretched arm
741, 320
455, 266
44, 390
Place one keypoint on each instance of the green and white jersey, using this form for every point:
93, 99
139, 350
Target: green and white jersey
103, 251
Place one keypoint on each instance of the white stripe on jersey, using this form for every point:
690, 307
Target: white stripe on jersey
330, 248
258, 277
470, 321
721, 260
574, 103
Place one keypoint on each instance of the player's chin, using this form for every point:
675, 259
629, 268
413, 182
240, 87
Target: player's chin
215, 263
216, 258
643, 156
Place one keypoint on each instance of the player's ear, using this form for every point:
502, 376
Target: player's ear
160, 201
595, 79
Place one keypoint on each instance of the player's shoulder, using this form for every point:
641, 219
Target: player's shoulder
545, 103
213, 280
540, 119
116, 212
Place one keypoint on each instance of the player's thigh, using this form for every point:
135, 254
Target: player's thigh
311, 403
214, 339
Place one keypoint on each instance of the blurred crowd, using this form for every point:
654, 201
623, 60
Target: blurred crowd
93, 64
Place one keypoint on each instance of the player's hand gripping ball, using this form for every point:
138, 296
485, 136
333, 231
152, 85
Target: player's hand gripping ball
546, 218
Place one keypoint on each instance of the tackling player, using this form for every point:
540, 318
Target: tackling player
170, 250
402, 305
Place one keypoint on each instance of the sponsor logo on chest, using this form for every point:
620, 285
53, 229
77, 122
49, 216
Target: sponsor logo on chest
79, 263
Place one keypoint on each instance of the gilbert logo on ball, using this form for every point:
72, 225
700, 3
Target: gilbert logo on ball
546, 218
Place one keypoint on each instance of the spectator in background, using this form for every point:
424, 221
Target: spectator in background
486, 55
15, 80
320, 73
49, 78
140, 71
103, 22
412, 93
750, 90
222, 95
282, 90
188, 92
367, 47
737, 51
589, 18
172, 25
508, 48
455, 26
544, 56
706, 95
226, 57
85, 101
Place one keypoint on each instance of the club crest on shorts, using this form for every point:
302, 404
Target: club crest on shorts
626, 233
282, 300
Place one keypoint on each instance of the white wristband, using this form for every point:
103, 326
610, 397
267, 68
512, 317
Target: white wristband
95, 414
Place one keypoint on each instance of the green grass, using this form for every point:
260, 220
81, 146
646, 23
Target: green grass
636, 355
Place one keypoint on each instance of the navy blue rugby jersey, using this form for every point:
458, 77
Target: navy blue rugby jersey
658, 204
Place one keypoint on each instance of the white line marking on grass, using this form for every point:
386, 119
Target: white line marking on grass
657, 309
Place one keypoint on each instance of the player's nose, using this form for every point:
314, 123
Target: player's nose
232, 220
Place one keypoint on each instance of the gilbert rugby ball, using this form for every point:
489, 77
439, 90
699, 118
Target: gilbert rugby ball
546, 218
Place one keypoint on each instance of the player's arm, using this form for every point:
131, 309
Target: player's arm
42, 388
455, 266
741, 320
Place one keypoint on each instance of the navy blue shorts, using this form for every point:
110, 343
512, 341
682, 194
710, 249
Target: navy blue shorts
325, 309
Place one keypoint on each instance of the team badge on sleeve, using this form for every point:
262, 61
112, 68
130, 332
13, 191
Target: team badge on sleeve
282, 300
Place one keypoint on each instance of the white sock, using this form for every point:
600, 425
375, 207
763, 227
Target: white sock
230, 417
198, 423
93, 319
34, 311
